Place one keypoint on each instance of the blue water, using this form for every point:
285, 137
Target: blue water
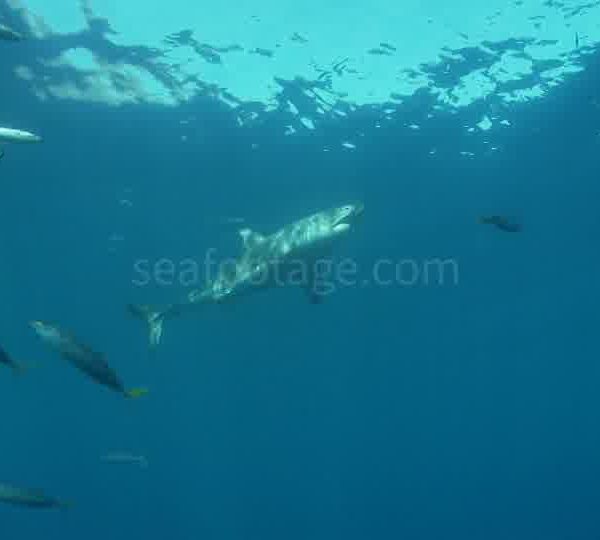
466, 411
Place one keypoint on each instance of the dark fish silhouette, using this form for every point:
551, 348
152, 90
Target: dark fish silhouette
29, 498
7, 360
502, 223
83, 358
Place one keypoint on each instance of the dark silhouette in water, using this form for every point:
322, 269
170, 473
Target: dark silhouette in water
6, 360
29, 498
83, 358
502, 223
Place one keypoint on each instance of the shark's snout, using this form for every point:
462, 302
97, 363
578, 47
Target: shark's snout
350, 213
347, 216
42, 329
36, 325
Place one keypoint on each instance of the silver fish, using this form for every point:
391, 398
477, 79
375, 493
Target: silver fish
122, 458
18, 136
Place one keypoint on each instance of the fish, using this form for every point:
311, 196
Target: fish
18, 136
88, 361
265, 262
502, 223
299, 38
29, 498
125, 459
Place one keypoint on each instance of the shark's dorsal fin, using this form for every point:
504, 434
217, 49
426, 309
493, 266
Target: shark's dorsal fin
250, 238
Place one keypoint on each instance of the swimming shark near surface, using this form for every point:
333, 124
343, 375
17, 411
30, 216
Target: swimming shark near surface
290, 256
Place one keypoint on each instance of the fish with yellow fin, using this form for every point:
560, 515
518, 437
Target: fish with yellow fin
88, 361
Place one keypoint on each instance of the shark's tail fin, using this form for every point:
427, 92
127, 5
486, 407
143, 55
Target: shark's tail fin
153, 317
135, 393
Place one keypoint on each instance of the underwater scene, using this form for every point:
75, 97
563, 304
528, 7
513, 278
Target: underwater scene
313, 270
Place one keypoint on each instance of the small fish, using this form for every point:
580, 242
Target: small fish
576, 40
299, 38
30, 498
340, 66
379, 52
501, 223
263, 52
18, 136
8, 34
232, 220
91, 363
1, 153
125, 459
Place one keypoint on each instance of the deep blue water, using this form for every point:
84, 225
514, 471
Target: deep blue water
462, 412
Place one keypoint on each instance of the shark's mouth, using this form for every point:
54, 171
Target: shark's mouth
348, 215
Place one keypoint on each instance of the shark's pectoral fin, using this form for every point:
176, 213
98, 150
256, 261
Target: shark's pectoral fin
315, 297
154, 318
314, 286
250, 238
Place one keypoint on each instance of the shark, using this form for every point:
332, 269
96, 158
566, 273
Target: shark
291, 255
